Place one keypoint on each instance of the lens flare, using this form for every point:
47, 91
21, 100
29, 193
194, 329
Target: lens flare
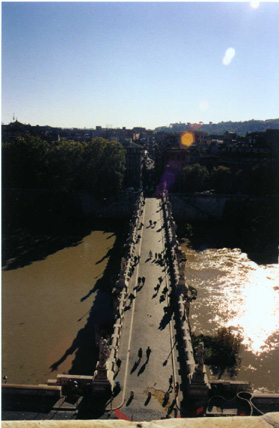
229, 55
187, 138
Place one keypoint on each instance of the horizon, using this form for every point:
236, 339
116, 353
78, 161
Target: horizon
139, 126
82, 65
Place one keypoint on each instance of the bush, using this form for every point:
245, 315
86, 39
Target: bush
222, 351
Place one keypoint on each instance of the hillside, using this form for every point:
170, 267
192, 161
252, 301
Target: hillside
240, 128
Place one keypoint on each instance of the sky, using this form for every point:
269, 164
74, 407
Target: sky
148, 64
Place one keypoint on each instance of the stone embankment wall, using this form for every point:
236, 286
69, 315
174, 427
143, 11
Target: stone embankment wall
116, 206
197, 207
44, 202
211, 206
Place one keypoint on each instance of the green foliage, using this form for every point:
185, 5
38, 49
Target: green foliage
97, 166
184, 231
193, 178
221, 179
222, 350
259, 180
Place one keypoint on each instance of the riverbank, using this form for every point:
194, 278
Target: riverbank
225, 233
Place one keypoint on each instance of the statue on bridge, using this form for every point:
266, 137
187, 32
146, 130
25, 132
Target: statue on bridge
200, 357
103, 352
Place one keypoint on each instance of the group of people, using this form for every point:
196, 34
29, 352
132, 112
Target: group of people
141, 280
148, 352
152, 223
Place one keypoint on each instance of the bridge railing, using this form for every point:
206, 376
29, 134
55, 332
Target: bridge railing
177, 274
120, 291
197, 384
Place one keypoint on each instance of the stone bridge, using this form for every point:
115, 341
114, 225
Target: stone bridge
150, 363
148, 369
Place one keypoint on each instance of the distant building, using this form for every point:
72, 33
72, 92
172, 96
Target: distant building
134, 164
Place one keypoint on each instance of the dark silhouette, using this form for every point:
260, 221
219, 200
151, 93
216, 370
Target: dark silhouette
148, 398
166, 399
135, 366
130, 398
141, 370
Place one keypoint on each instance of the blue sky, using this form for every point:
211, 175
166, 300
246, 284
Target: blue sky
139, 64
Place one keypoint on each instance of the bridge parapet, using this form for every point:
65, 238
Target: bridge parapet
197, 384
120, 294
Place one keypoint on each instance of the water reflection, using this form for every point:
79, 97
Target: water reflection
234, 291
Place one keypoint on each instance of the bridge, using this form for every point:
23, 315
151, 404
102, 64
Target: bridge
147, 368
150, 360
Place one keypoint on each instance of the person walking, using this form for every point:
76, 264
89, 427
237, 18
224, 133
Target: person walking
140, 353
148, 352
150, 254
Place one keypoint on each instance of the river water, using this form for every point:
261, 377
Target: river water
46, 306
234, 291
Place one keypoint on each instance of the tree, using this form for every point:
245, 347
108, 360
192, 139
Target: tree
97, 166
222, 350
193, 178
221, 179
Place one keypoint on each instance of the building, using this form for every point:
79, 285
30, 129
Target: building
134, 164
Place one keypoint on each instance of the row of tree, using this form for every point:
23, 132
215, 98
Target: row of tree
97, 166
260, 180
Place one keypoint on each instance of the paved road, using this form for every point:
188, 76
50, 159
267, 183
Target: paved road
148, 325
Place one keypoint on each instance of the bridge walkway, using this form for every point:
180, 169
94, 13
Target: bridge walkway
148, 322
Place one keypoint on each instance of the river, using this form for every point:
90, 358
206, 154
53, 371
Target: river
47, 310
234, 291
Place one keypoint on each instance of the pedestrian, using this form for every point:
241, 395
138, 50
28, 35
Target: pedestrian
140, 353
139, 280
176, 388
150, 254
132, 394
156, 256
170, 380
143, 280
148, 352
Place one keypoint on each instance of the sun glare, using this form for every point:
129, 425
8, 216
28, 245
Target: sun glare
254, 4
187, 139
